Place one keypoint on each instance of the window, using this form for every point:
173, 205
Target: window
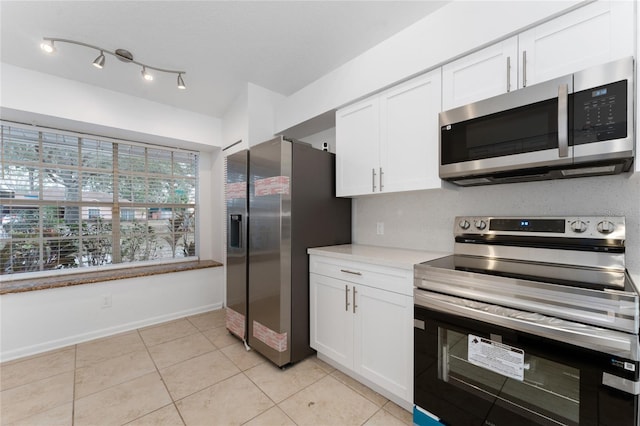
72, 201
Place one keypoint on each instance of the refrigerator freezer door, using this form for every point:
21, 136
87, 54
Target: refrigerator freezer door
236, 190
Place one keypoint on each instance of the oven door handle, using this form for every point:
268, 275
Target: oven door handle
586, 336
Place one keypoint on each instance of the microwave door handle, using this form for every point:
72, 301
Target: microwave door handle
508, 74
563, 120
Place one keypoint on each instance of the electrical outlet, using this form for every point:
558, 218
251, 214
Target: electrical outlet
106, 301
380, 228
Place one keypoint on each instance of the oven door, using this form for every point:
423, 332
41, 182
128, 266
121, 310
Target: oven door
514, 378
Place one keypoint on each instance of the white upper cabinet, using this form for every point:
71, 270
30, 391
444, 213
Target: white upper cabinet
388, 143
358, 148
588, 36
591, 35
409, 134
480, 75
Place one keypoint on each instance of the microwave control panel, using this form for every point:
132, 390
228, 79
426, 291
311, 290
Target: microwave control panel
600, 113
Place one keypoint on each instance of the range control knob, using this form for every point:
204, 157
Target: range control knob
578, 226
464, 224
480, 224
605, 227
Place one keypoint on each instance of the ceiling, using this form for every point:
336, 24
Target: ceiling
222, 45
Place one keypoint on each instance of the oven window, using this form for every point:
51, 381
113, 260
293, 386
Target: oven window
549, 392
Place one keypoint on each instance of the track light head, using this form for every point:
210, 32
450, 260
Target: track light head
181, 84
123, 55
146, 75
99, 61
47, 46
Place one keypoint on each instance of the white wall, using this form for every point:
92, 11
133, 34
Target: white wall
450, 32
42, 320
235, 124
37, 321
43, 99
261, 109
250, 119
424, 220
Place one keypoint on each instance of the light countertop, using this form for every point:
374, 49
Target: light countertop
385, 256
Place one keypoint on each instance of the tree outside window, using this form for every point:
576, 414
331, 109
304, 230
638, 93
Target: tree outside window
70, 201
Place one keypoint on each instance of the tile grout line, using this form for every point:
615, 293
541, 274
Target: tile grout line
372, 416
216, 349
46, 377
146, 346
31, 358
114, 384
164, 324
275, 404
310, 384
380, 408
173, 402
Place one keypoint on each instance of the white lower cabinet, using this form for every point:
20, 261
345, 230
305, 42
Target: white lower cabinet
360, 323
331, 319
383, 339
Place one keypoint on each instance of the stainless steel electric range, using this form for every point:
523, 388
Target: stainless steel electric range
532, 321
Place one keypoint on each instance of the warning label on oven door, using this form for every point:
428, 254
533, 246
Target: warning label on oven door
494, 356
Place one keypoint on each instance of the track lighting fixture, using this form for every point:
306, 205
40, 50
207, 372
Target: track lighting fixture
146, 75
47, 45
99, 62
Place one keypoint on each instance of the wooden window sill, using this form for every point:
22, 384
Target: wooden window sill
32, 284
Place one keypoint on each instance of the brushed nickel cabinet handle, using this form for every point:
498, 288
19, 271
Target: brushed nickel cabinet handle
346, 271
373, 180
354, 300
381, 174
346, 298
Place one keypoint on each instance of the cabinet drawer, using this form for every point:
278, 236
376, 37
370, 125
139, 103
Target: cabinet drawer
382, 277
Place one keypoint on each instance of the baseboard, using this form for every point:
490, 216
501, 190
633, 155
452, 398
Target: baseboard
104, 332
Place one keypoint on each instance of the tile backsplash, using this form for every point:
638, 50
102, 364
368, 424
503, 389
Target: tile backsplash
423, 220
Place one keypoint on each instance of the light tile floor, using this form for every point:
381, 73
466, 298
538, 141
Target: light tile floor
185, 372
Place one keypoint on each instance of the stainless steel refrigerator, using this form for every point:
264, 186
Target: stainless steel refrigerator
292, 206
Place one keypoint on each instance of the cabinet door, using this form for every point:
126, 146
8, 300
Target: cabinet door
591, 35
331, 318
383, 339
409, 134
480, 75
357, 148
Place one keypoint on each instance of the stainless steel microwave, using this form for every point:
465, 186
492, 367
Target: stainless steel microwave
577, 125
